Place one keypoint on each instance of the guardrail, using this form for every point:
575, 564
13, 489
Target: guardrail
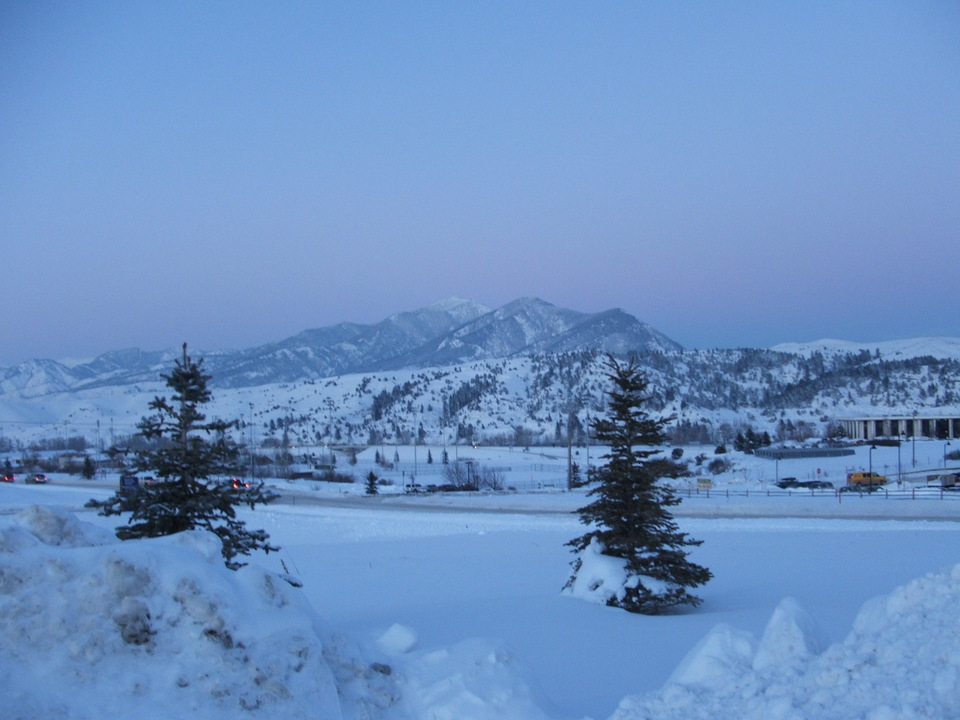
913, 493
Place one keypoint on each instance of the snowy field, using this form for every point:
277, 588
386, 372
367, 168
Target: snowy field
449, 606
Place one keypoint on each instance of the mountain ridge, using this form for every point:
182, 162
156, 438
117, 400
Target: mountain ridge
459, 370
450, 331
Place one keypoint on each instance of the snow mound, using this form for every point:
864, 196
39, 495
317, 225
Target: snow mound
474, 679
398, 639
787, 675
599, 578
91, 627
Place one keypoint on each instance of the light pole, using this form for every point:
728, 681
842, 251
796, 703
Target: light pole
899, 466
870, 456
913, 435
253, 457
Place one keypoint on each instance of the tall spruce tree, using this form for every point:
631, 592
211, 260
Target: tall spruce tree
194, 460
629, 517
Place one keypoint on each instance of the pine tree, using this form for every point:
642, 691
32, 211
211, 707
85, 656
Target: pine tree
187, 452
372, 483
629, 516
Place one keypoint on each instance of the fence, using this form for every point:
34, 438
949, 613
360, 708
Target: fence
912, 493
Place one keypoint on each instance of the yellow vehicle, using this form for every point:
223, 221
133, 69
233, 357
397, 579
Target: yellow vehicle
866, 478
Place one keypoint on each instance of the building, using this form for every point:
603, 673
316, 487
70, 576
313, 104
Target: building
942, 427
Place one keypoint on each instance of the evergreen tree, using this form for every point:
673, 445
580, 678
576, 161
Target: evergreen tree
629, 516
576, 479
372, 483
89, 469
187, 452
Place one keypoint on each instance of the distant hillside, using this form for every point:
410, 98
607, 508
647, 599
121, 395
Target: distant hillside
528, 372
942, 348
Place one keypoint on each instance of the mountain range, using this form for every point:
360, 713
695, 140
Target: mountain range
449, 332
457, 370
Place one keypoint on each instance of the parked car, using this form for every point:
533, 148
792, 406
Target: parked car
866, 478
9, 477
788, 483
38, 479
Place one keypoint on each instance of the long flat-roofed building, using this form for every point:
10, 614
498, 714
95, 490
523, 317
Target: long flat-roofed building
913, 425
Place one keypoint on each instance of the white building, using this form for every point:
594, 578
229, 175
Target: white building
943, 427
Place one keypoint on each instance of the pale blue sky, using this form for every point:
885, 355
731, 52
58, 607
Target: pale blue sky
231, 173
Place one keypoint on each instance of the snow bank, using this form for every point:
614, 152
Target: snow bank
157, 628
901, 660
472, 680
92, 627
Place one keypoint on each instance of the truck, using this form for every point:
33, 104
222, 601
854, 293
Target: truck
870, 479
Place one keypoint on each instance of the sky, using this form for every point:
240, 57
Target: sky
228, 174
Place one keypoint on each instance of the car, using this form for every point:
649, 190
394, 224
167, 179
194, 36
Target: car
791, 482
866, 478
38, 479
237, 483
9, 477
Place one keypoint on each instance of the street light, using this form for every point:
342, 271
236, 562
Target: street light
253, 457
870, 456
913, 436
899, 466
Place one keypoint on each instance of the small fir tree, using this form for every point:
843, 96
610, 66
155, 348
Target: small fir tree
576, 479
629, 517
187, 452
372, 483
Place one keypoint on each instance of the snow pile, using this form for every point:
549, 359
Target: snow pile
92, 627
599, 578
901, 660
602, 578
473, 679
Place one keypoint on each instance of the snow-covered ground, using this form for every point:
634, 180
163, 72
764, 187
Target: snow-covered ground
449, 606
